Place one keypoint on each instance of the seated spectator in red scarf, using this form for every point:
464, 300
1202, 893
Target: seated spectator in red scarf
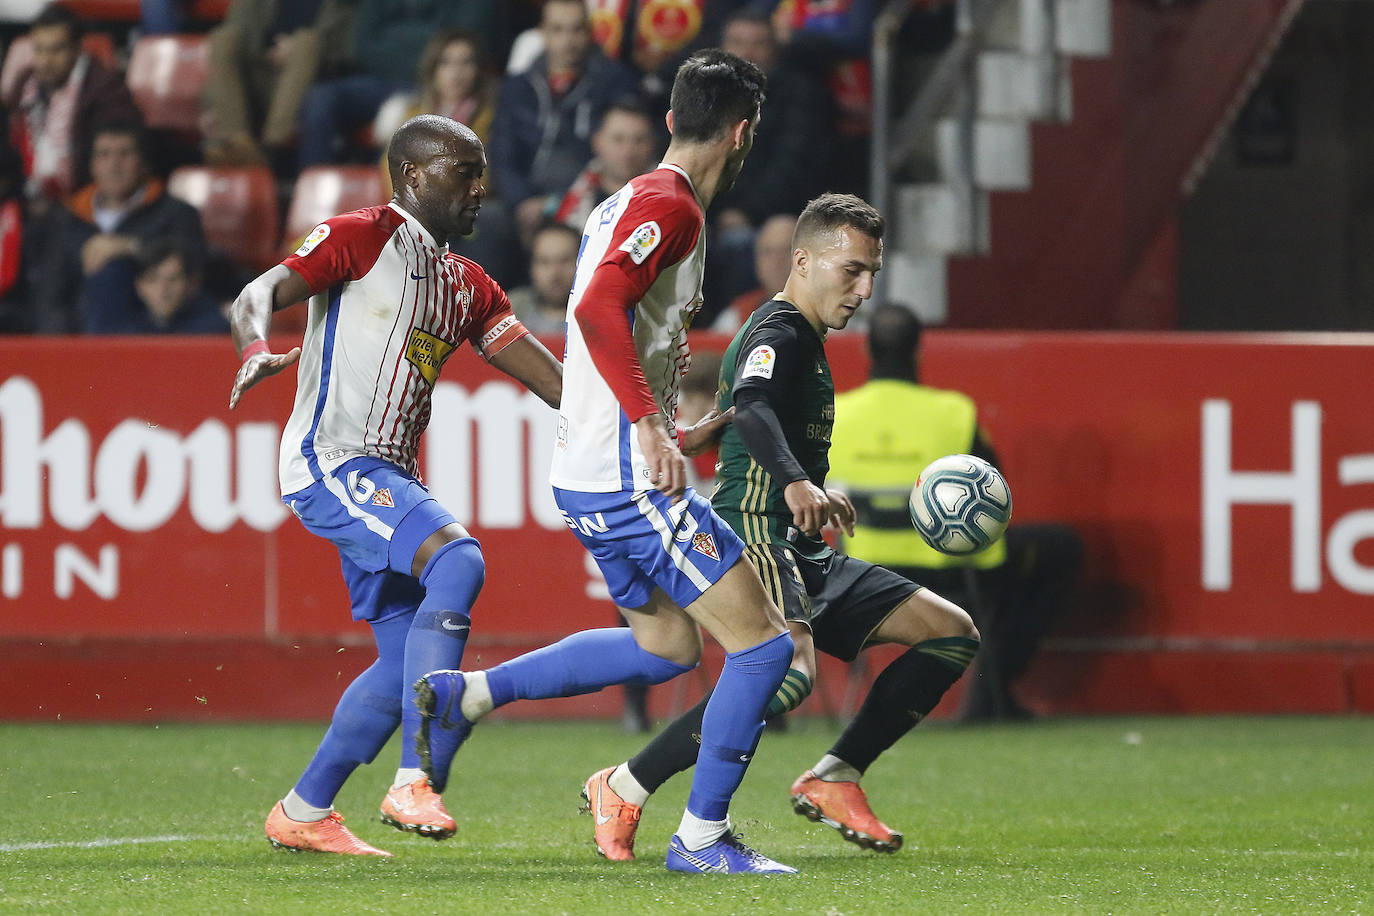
59, 104
156, 293
623, 146
124, 209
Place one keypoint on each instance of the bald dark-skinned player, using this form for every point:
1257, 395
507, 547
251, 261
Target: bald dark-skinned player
388, 304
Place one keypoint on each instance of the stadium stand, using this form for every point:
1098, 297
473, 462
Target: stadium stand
238, 209
166, 76
323, 191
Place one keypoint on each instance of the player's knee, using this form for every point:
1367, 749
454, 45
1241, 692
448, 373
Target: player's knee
457, 565
795, 688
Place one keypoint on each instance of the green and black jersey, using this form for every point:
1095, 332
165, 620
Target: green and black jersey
780, 356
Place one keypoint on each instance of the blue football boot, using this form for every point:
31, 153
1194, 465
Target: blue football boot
443, 729
726, 856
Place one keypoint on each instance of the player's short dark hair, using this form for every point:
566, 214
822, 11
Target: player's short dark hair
55, 16
832, 211
713, 91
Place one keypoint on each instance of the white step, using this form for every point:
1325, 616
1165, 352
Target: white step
930, 218
1001, 153
1012, 84
918, 281
1083, 27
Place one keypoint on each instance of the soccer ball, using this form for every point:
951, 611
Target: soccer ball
960, 504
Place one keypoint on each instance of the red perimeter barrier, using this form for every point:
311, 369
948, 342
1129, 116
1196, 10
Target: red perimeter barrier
1224, 485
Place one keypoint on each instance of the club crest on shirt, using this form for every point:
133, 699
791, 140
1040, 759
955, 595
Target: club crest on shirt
759, 363
704, 543
317, 235
642, 241
427, 353
383, 498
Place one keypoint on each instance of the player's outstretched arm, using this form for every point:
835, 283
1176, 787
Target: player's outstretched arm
531, 364
250, 319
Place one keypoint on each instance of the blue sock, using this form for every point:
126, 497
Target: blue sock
439, 631
582, 663
733, 721
366, 715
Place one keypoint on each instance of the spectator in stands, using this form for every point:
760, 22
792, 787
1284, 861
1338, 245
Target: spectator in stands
624, 145
123, 210
158, 292
452, 82
541, 138
772, 264
388, 37
790, 163
60, 103
886, 431
14, 316
263, 58
543, 305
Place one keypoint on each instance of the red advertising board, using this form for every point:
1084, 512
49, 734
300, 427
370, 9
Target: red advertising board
1224, 485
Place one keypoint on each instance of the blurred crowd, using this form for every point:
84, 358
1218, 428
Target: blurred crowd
149, 168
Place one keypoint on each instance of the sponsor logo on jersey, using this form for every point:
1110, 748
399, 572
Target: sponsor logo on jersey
759, 363
704, 543
427, 353
642, 241
317, 235
383, 498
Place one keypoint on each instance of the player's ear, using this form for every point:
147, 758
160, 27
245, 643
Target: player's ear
738, 135
668, 119
801, 260
410, 173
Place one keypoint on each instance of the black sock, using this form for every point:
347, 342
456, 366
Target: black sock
902, 696
673, 750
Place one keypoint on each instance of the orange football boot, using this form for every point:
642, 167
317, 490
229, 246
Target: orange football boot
616, 819
328, 834
844, 806
417, 808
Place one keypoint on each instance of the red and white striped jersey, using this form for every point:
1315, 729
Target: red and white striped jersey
644, 245
388, 306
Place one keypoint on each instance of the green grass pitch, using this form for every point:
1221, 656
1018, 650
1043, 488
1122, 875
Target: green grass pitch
1233, 815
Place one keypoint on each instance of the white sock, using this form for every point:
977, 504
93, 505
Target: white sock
298, 809
696, 833
833, 769
476, 701
406, 775
626, 786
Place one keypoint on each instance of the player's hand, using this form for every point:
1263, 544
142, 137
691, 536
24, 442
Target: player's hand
667, 467
705, 433
809, 504
841, 511
258, 367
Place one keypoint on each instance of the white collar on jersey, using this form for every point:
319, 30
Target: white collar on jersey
685, 176
425, 237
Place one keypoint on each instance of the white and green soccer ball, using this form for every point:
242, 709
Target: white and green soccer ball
960, 504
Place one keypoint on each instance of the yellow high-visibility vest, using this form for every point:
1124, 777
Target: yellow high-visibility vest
886, 431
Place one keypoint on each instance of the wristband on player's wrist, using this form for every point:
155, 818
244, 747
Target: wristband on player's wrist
254, 348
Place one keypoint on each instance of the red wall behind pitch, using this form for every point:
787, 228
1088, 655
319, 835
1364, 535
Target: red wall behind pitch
1105, 431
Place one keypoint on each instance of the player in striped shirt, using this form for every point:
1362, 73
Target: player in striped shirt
388, 304
620, 478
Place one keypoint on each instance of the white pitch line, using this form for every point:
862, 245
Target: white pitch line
101, 843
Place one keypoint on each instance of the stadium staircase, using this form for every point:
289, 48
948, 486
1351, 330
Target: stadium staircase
1033, 181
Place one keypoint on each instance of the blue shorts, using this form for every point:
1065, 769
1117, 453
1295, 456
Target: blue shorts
640, 540
377, 515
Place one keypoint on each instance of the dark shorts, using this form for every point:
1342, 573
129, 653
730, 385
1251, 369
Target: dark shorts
842, 599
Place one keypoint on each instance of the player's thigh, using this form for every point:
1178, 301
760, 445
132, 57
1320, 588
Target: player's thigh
925, 615
377, 515
736, 610
858, 604
664, 629
776, 566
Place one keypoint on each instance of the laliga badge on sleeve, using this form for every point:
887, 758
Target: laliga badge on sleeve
759, 363
317, 235
642, 241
